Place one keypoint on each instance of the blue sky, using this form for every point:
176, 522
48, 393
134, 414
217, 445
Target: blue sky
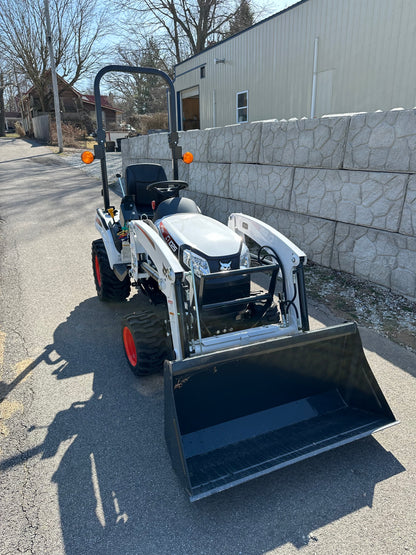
274, 6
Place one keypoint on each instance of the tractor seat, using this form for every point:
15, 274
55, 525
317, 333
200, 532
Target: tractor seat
138, 177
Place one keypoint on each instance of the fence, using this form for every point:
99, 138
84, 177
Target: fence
41, 127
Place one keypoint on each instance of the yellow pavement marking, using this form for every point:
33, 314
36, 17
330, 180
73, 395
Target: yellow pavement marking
2, 341
7, 410
3, 429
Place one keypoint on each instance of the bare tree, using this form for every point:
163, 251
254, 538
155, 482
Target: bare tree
186, 26
6, 83
76, 27
140, 93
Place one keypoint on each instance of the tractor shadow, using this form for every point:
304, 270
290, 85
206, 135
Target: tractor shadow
116, 488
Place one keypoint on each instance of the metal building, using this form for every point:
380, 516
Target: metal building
317, 57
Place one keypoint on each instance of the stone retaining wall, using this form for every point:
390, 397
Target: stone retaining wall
343, 188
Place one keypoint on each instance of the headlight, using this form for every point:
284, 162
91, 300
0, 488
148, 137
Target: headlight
200, 265
244, 257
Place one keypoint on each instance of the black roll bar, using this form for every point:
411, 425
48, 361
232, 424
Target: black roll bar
99, 149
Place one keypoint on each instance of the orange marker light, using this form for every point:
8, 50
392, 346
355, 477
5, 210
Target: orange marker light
87, 157
188, 157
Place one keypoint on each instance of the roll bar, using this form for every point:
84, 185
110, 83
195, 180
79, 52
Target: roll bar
173, 137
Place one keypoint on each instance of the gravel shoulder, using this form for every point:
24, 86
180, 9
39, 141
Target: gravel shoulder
368, 304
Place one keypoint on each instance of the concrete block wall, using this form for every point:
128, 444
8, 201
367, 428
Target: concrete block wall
343, 187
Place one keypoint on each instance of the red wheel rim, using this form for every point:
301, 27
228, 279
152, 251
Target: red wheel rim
129, 346
97, 270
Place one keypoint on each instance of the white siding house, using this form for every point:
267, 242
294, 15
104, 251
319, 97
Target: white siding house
315, 58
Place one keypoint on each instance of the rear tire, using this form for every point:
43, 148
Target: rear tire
109, 287
145, 343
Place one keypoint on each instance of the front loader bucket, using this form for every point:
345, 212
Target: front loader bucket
234, 415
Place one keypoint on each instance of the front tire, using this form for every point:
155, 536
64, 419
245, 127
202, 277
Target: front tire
109, 287
145, 343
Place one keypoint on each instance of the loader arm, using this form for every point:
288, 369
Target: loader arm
291, 258
147, 246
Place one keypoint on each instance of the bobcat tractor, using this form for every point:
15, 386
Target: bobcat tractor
248, 387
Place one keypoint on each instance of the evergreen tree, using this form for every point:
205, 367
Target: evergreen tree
243, 18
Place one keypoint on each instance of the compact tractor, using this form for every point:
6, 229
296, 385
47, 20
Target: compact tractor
248, 387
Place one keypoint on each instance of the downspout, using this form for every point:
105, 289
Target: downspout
214, 108
314, 77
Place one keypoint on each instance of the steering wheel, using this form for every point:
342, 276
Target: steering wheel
167, 187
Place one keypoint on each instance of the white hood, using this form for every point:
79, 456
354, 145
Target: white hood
201, 233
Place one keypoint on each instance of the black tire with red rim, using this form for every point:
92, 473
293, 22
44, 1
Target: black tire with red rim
109, 287
145, 343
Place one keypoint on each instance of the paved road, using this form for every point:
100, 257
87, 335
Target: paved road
84, 469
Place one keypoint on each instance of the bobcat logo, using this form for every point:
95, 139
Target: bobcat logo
224, 266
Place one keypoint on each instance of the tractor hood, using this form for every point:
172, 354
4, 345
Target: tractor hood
201, 233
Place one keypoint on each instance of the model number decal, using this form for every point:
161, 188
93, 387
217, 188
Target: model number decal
171, 243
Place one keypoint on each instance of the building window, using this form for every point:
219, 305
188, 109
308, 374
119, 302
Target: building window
242, 107
202, 72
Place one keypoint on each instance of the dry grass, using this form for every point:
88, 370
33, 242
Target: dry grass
20, 130
72, 136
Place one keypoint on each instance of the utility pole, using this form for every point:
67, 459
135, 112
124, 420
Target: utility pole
2, 119
3, 85
19, 94
54, 79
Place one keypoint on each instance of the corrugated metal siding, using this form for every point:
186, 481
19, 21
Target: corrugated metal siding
364, 62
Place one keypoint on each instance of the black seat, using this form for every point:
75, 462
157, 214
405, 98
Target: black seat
138, 177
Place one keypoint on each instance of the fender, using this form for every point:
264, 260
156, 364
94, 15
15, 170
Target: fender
101, 224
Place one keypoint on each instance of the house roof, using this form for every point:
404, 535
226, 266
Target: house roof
105, 102
32, 88
87, 98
